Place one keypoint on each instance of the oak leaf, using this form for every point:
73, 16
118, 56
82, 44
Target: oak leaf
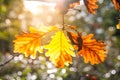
30, 43
60, 50
91, 50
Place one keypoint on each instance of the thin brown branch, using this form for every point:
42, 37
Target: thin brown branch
63, 21
3, 64
6, 62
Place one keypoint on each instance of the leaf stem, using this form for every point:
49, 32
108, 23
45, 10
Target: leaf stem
63, 22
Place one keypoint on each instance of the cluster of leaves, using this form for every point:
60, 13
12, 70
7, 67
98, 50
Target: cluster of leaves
60, 48
63, 46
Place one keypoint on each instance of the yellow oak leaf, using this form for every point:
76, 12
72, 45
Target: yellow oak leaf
30, 43
60, 50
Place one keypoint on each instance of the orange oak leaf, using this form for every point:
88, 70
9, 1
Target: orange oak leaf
30, 43
91, 5
116, 4
91, 50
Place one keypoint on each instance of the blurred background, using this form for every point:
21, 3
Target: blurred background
18, 15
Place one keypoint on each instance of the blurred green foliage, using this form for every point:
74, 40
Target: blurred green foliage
9, 22
101, 24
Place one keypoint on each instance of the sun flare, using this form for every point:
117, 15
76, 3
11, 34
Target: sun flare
34, 6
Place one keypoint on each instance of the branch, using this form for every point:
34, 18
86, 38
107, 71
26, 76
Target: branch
7, 61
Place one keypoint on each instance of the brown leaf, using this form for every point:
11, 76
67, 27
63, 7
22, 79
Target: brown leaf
76, 40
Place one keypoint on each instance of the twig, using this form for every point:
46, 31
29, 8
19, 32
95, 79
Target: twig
6, 62
77, 9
